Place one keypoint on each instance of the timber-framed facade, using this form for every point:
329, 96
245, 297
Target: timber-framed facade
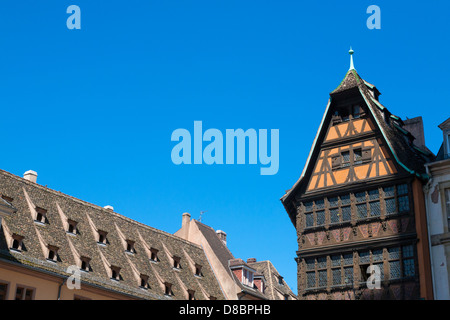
359, 203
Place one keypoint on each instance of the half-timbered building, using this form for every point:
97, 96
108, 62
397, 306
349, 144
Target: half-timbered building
359, 203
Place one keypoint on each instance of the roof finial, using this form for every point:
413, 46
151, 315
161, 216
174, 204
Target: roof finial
352, 66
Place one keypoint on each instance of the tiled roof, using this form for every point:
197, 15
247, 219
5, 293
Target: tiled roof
274, 290
409, 157
29, 197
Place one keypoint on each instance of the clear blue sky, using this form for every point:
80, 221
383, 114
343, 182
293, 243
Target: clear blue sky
92, 110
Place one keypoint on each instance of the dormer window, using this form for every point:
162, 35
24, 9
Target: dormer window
247, 277
191, 295
41, 215
154, 255
115, 273
168, 289
52, 253
102, 237
17, 242
280, 280
176, 262
198, 270
85, 264
72, 226
144, 282
356, 112
130, 247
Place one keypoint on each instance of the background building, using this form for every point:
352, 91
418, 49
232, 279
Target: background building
239, 280
359, 202
437, 193
44, 232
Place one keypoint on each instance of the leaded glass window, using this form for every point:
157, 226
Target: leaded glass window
320, 217
374, 194
334, 215
348, 275
394, 253
335, 260
403, 204
337, 276
308, 206
346, 158
375, 209
322, 262
309, 220
310, 279
408, 268
394, 269
364, 257
348, 259
390, 206
389, 191
377, 255
380, 266
310, 264
402, 189
346, 214
360, 197
345, 199
334, 202
322, 278
357, 156
320, 204
361, 209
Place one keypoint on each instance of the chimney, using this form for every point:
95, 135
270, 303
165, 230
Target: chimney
251, 260
111, 208
185, 221
30, 175
415, 127
222, 236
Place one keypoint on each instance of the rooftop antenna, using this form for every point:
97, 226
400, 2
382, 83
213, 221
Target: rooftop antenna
201, 214
352, 66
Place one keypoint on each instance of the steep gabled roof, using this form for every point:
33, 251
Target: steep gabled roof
274, 290
28, 196
399, 141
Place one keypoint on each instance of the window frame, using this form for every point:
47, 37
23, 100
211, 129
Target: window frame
25, 288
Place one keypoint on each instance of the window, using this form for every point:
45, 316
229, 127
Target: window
320, 217
356, 112
212, 298
102, 237
176, 262
17, 242
85, 264
144, 282
280, 280
396, 199
348, 268
367, 258
401, 262
72, 227
247, 277
345, 159
24, 293
168, 289
115, 273
154, 255
130, 247
52, 253
357, 156
198, 270
191, 295
3, 291
41, 215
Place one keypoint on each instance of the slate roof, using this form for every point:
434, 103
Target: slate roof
27, 196
274, 290
410, 157
226, 258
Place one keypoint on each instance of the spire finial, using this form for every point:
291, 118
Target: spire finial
352, 66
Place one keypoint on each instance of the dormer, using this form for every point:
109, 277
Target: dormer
243, 272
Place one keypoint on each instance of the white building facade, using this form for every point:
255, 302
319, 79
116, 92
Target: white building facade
437, 194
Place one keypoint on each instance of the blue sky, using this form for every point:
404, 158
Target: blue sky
93, 110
